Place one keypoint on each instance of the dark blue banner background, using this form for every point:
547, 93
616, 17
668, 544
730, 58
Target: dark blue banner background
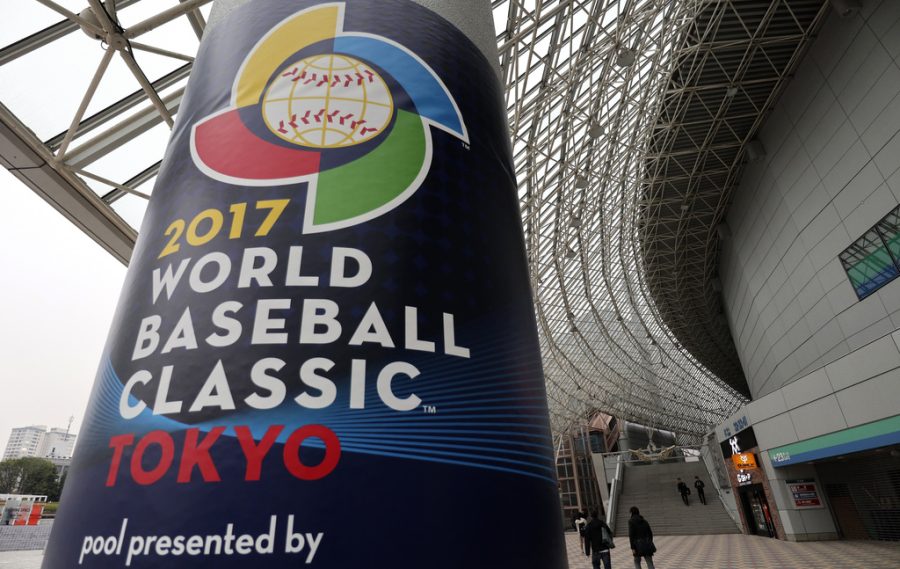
471, 484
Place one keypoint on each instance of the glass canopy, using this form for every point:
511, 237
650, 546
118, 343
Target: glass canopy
85, 124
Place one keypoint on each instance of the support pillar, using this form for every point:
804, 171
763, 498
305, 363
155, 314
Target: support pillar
325, 352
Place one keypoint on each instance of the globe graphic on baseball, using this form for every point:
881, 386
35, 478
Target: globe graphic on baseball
327, 101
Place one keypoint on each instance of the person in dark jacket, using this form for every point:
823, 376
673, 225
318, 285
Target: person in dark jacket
641, 537
598, 541
684, 490
699, 485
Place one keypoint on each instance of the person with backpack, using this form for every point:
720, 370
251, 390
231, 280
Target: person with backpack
683, 488
641, 537
598, 540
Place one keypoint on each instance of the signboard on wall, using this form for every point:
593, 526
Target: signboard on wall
327, 316
804, 493
735, 426
744, 460
855, 439
744, 478
736, 444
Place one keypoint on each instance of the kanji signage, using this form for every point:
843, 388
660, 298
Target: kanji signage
804, 493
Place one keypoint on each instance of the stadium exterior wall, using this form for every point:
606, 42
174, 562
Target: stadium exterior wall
821, 363
830, 173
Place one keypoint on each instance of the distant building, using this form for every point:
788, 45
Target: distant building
62, 465
25, 441
58, 443
39, 441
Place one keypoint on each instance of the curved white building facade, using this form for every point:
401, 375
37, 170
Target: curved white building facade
813, 310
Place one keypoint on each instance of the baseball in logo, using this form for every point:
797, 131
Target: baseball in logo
317, 104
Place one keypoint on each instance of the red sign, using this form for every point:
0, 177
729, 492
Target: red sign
37, 510
804, 493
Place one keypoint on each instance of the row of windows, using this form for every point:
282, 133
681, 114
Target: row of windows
873, 260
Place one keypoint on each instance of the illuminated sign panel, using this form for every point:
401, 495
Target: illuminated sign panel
738, 443
744, 460
744, 478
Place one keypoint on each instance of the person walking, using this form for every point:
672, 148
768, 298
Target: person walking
699, 485
641, 537
682, 487
598, 540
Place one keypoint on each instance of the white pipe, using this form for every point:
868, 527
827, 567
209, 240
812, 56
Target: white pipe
163, 17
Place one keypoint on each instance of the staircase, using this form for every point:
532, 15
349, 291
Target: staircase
652, 488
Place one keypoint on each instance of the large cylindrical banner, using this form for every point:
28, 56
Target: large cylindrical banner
325, 352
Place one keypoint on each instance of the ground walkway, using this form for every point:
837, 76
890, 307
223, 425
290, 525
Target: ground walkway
21, 559
749, 552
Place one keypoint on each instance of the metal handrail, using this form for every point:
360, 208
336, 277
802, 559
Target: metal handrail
632, 455
614, 490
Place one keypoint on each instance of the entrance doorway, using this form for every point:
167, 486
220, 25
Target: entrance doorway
843, 510
756, 510
863, 492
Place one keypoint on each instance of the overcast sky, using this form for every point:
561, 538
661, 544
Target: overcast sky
58, 290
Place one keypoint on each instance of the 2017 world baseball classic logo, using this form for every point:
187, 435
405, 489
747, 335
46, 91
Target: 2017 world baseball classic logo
325, 351
347, 112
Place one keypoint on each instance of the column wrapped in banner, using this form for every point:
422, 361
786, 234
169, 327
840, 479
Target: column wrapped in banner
325, 352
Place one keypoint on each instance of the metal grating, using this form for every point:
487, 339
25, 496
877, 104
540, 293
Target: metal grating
736, 59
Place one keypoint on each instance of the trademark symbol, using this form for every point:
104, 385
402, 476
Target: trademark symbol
466, 146
429, 409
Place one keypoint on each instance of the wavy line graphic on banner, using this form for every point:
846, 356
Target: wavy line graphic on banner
480, 430
350, 114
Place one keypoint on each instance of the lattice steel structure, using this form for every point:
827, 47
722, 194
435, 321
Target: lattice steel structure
601, 96
726, 76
